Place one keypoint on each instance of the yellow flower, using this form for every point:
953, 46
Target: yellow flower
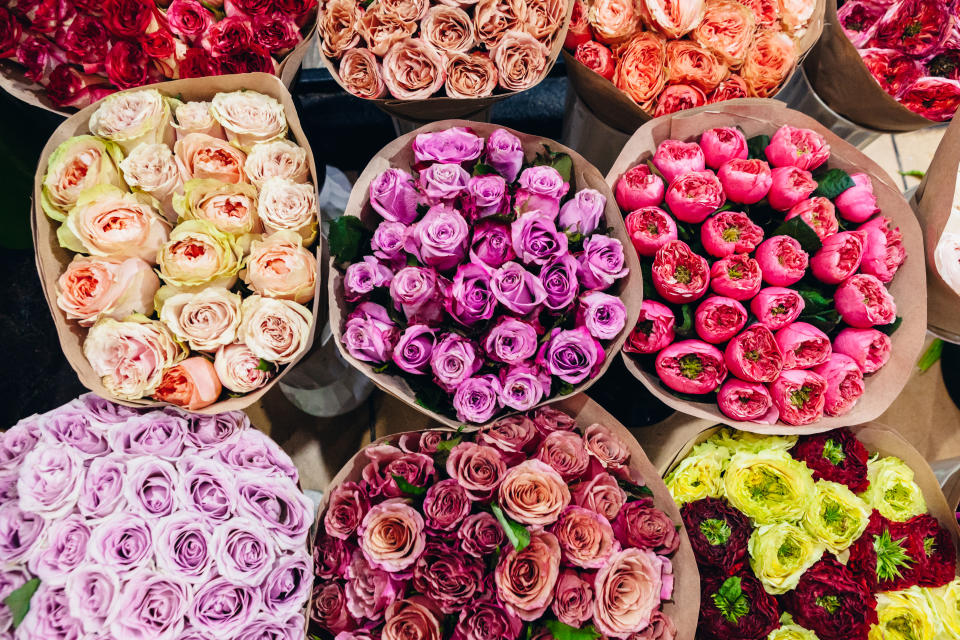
945, 601
792, 632
737, 441
904, 615
780, 554
699, 475
836, 516
892, 490
769, 486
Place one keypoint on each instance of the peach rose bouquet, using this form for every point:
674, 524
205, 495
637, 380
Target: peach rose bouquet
533, 525
192, 225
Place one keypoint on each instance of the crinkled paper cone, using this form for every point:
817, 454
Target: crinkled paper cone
399, 154
755, 117
879, 438
933, 203
52, 259
442, 107
615, 108
841, 79
685, 603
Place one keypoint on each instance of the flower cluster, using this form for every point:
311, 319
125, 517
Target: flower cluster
669, 55
486, 275
156, 524
770, 519
526, 523
776, 276
912, 48
241, 195
82, 51
415, 49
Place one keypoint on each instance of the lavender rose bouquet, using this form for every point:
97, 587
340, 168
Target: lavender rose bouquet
123, 523
480, 270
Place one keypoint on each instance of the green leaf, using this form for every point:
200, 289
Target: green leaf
461, 428
448, 445
381, 368
833, 183
564, 389
730, 601
562, 631
889, 329
931, 355
562, 162
407, 488
346, 238
265, 365
757, 147
728, 206
655, 171
635, 491
826, 321
483, 169
803, 233
516, 533
19, 600
913, 174
431, 397
422, 209
685, 328
814, 302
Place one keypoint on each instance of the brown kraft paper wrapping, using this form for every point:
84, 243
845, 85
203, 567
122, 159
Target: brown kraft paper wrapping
685, 602
442, 107
399, 154
933, 204
908, 288
615, 108
839, 77
52, 259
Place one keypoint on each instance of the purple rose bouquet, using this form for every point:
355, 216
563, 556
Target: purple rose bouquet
480, 272
123, 523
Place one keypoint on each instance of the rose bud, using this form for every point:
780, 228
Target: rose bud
745, 181
694, 196
415, 291
730, 232
883, 252
691, 366
736, 277
718, 319
579, 30
803, 346
650, 228
394, 196
491, 245
505, 154
675, 158
439, 239
858, 203
638, 188
801, 148
864, 302
869, 348
776, 307
789, 187
721, 145
844, 384
746, 402
597, 58
414, 348
469, 299
680, 275
522, 387
819, 213
838, 258
192, 384
799, 396
654, 329
583, 213
511, 341
783, 260
486, 196
559, 280
754, 355
454, 359
602, 262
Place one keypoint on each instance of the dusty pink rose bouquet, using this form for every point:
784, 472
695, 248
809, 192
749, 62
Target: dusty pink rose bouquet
122, 523
767, 274
483, 282
531, 527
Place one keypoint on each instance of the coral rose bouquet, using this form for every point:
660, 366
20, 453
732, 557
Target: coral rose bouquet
125, 523
186, 258
829, 536
772, 270
540, 524
479, 271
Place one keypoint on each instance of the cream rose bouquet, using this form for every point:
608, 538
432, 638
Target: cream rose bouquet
191, 225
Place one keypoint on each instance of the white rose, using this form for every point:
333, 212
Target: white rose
206, 320
239, 368
287, 206
131, 356
275, 330
195, 117
947, 259
249, 117
152, 168
277, 159
133, 117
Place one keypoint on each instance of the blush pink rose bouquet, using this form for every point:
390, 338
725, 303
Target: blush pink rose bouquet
532, 523
127, 523
763, 298
485, 276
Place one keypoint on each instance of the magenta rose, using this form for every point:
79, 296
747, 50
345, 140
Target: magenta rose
394, 196
650, 228
547, 420
674, 158
790, 186
453, 145
387, 463
730, 232
505, 154
858, 203
864, 302
370, 334
328, 607
392, 535
480, 535
844, 384
679, 274
572, 355
347, 505
491, 245
477, 399
745, 181
511, 341
449, 579
454, 359
602, 262
639, 188
387, 243
722, 145
330, 556
445, 505
869, 348
654, 329
782, 260
486, 196
439, 239
691, 366
541, 189
736, 276
754, 355
776, 307
515, 437
799, 396
559, 280
565, 453
517, 289
717, 319
794, 147
573, 599
883, 252
746, 402
695, 195
642, 525
368, 589
583, 213
839, 257
414, 349
469, 299
414, 290
361, 278
603, 315
601, 494
442, 183
188, 19
523, 386
585, 537
803, 346
819, 214
477, 468
536, 239
484, 620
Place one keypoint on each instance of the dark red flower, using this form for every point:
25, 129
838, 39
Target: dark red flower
197, 63
945, 64
128, 18
128, 65
915, 27
188, 19
330, 555
246, 62
38, 58
299, 10
736, 607
276, 33
85, 40
45, 16
938, 554
718, 534
450, 579
836, 456
832, 602
158, 44
894, 71
10, 32
887, 557
69, 88
233, 34
250, 7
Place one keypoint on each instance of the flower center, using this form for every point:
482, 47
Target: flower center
891, 556
690, 366
682, 274
716, 531
730, 234
831, 603
801, 396
833, 452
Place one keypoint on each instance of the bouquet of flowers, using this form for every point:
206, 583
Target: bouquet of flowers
662, 56
121, 523
78, 52
823, 537
187, 227
479, 271
769, 268
536, 526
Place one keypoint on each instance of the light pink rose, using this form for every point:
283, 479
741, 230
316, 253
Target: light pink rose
515, 437
601, 494
361, 74
844, 384
564, 451
92, 287
533, 493
548, 420
413, 70
573, 599
392, 535
526, 579
470, 76
605, 447
521, 60
238, 368
627, 592
280, 267
586, 538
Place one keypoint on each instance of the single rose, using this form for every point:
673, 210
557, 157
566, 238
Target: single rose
675, 158
602, 262
641, 68
883, 251
76, 165
769, 60
868, 347
93, 596
802, 148
782, 260
65, 550
650, 228
647, 527
585, 537
533, 493
124, 542
730, 232
678, 97
803, 346
94, 287
275, 330
754, 355
202, 156
49, 482
718, 319
288, 206
480, 534
276, 159
639, 188
369, 334
597, 58
238, 368
526, 579
522, 386
679, 275
288, 585
573, 355
628, 589
844, 383
863, 301
727, 29
221, 608
134, 117
192, 384
153, 169
413, 70
470, 75
689, 63
414, 618
195, 117
745, 181
746, 401
839, 257
800, 396
722, 144
392, 535
450, 580
694, 195
654, 329
487, 619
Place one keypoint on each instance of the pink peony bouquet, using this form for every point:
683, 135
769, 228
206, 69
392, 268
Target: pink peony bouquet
80, 51
912, 49
484, 282
768, 274
190, 225
532, 527
121, 523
